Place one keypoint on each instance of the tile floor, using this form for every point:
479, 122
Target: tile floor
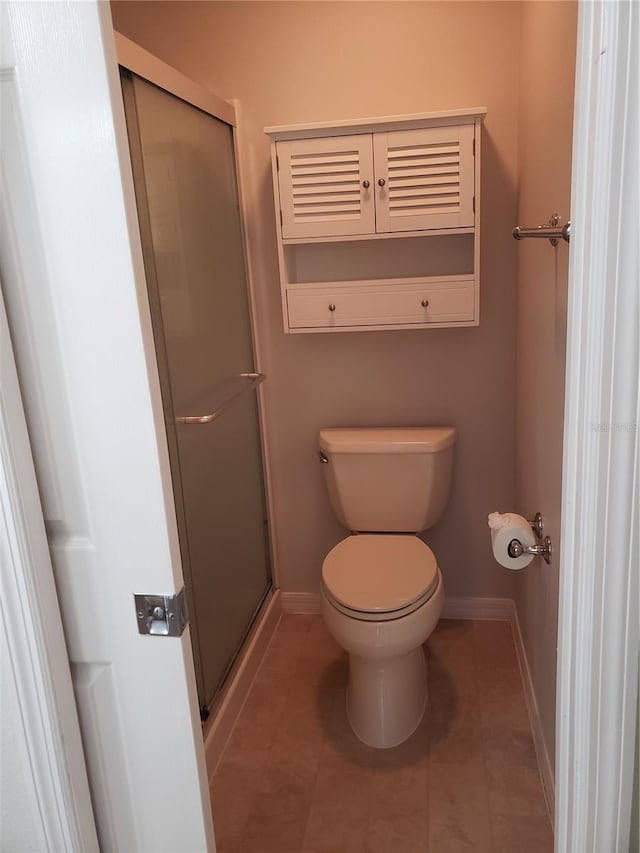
294, 778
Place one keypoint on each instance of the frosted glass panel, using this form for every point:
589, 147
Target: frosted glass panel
186, 191
197, 241
226, 526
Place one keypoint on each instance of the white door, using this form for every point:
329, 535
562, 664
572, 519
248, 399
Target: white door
76, 300
326, 186
424, 178
45, 802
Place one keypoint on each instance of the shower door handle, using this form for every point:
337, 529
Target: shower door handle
250, 380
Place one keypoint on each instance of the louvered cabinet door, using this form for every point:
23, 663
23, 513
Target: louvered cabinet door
326, 186
427, 178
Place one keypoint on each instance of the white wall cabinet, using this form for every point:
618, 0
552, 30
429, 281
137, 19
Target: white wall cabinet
410, 181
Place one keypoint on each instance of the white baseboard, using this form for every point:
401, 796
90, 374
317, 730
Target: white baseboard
217, 731
495, 609
300, 602
544, 764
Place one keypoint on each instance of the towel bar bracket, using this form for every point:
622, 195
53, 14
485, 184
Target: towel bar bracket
552, 231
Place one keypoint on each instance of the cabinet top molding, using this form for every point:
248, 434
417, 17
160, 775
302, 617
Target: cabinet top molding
371, 125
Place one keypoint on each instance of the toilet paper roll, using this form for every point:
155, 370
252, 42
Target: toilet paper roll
505, 527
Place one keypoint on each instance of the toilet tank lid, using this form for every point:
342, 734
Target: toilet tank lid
387, 439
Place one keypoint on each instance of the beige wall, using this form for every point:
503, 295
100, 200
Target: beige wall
303, 62
545, 138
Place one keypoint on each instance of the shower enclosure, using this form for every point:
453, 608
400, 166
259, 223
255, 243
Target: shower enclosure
187, 198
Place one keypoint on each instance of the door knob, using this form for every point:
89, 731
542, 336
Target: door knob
381, 182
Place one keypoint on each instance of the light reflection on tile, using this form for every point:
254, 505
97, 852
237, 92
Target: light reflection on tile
340, 809
458, 808
295, 779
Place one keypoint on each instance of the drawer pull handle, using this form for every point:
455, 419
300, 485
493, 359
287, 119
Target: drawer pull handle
332, 307
425, 303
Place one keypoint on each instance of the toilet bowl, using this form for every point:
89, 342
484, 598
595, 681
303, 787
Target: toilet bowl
382, 590
382, 596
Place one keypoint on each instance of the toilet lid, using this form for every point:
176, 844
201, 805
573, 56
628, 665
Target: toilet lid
379, 573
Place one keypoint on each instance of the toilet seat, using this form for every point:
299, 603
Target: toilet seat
379, 576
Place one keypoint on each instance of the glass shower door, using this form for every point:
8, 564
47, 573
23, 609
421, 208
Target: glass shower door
186, 193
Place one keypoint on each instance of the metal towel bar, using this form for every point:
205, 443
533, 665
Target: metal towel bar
552, 232
231, 394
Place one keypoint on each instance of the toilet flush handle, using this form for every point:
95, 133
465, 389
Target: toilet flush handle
323, 458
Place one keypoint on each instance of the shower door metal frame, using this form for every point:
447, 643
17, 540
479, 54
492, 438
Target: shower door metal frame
174, 85
139, 61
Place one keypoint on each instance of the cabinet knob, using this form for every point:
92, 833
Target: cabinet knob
332, 307
366, 184
381, 182
425, 303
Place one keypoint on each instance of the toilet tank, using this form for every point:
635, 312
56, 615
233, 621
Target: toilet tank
388, 479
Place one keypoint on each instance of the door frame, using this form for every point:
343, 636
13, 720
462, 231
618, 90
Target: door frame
598, 601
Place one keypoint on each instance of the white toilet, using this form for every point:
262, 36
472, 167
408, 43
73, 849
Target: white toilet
382, 591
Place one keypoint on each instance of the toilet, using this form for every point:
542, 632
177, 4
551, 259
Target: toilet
382, 591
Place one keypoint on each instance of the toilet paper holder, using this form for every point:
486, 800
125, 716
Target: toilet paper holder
537, 525
517, 549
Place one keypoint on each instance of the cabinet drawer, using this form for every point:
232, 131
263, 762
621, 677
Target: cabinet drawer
383, 304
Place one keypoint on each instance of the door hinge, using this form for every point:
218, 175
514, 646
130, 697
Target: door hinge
277, 163
281, 222
162, 615
474, 204
474, 146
